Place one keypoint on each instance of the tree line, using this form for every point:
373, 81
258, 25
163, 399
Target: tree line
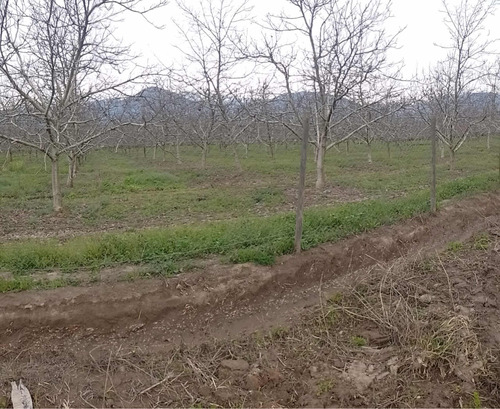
68, 86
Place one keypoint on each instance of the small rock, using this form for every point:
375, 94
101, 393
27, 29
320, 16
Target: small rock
337, 363
313, 371
28, 307
357, 374
393, 365
235, 364
425, 298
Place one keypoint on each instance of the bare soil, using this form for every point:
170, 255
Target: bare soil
386, 318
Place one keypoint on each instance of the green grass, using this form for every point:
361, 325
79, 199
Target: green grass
476, 400
217, 211
358, 341
24, 283
249, 239
482, 242
132, 190
455, 246
324, 386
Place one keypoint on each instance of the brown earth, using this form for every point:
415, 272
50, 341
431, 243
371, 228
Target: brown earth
289, 335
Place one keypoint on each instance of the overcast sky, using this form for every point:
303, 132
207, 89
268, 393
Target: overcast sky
422, 19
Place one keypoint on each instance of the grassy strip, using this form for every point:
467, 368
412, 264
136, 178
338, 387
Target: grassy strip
23, 283
257, 240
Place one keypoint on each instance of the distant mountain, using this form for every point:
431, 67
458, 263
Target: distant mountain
153, 100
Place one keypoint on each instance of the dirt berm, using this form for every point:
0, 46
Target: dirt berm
235, 292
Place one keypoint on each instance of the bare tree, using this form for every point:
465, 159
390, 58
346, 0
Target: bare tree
260, 108
212, 73
57, 60
339, 46
492, 123
377, 102
160, 110
455, 80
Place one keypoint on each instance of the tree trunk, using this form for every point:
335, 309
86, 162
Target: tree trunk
433, 166
488, 136
347, 146
442, 150
237, 159
245, 145
452, 159
320, 169
56, 189
69, 181
177, 152
71, 170
370, 153
144, 150
204, 150
154, 152
389, 150
10, 154
299, 214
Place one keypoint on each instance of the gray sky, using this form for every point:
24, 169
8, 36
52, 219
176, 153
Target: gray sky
422, 19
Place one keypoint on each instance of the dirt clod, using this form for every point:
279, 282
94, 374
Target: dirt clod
253, 382
425, 298
235, 364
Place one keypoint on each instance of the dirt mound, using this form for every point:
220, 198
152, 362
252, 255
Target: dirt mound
231, 290
366, 321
